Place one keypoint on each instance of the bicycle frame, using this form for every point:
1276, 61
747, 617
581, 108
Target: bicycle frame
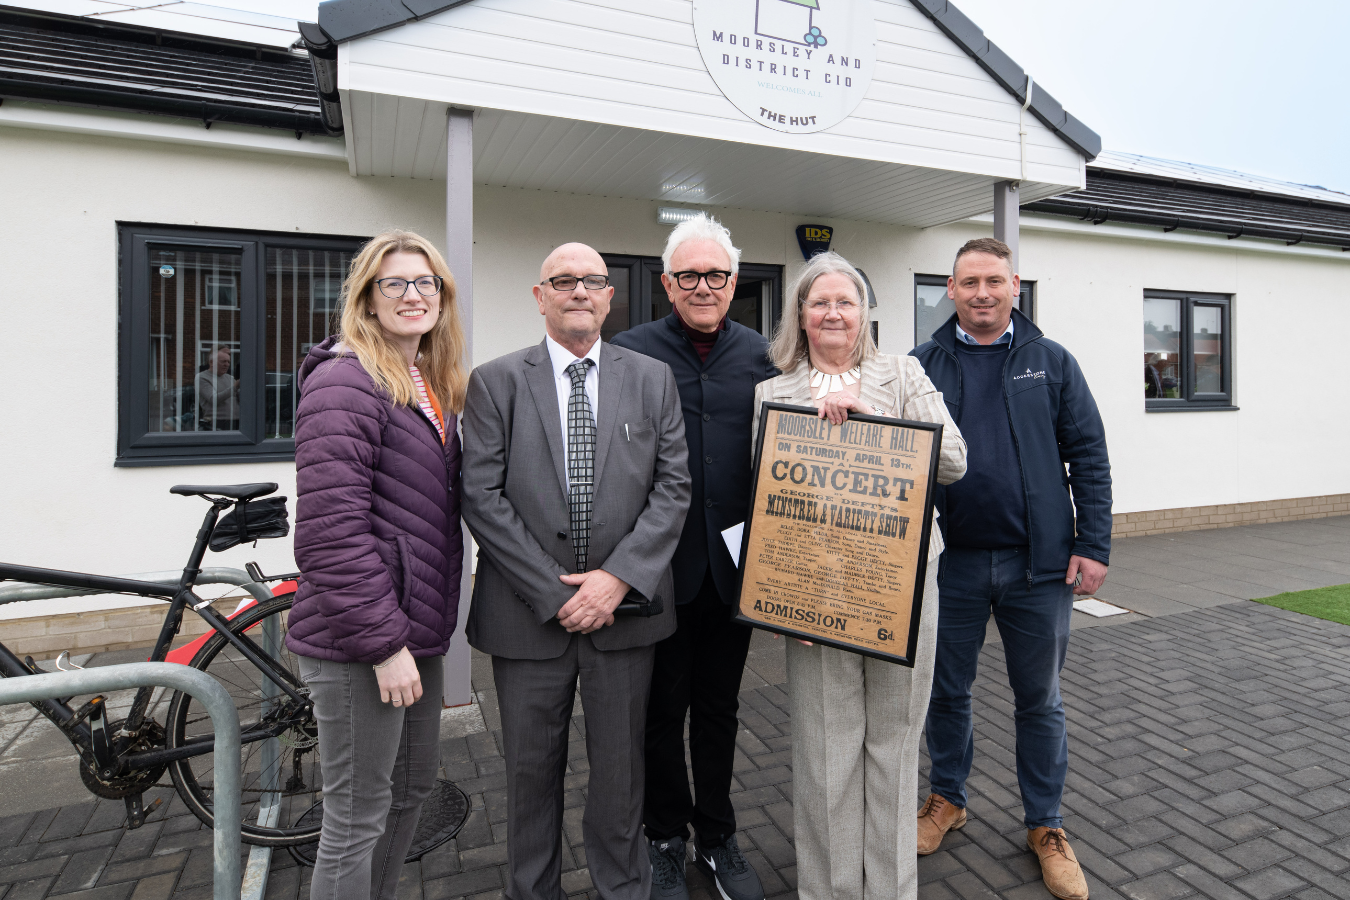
179, 596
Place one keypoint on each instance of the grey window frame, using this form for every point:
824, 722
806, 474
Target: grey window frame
1191, 400
138, 446
1026, 299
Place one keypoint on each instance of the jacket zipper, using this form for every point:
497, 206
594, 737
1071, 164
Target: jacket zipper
1003, 386
1021, 471
445, 446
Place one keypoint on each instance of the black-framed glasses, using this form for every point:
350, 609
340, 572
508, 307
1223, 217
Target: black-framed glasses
395, 288
569, 282
688, 280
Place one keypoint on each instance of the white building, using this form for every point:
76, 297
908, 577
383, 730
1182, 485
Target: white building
173, 191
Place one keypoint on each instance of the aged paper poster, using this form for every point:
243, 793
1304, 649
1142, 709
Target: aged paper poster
836, 542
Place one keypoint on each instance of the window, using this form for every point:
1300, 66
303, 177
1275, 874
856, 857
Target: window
640, 297
1188, 340
932, 306
214, 326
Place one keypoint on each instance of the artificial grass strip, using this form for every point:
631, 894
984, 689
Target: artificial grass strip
1330, 603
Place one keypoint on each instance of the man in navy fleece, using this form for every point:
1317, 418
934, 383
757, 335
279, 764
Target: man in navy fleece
1014, 548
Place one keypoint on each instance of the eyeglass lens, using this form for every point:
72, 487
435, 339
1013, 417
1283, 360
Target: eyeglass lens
689, 280
569, 282
394, 288
841, 305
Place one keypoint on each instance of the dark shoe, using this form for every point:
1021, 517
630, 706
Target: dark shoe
937, 817
668, 858
723, 863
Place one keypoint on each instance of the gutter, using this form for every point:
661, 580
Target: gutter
207, 111
1098, 214
323, 54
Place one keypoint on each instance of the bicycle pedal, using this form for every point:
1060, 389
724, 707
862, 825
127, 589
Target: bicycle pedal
87, 709
136, 813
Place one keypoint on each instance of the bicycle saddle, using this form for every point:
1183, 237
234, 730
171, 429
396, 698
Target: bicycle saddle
233, 491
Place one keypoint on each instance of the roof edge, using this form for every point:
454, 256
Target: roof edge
346, 20
1010, 76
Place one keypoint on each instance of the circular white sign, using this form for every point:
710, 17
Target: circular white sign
791, 65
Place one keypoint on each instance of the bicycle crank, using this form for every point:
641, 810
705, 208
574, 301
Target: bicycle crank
125, 784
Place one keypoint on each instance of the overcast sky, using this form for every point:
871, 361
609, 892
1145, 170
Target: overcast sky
1254, 86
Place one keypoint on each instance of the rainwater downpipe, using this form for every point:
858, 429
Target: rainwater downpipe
1022, 127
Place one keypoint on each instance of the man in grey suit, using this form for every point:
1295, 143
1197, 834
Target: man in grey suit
576, 486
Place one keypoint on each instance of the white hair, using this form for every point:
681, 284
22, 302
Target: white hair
702, 227
790, 347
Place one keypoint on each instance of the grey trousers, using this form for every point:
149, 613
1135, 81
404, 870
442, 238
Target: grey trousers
379, 764
856, 723
535, 696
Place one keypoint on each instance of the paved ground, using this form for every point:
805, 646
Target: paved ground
1208, 759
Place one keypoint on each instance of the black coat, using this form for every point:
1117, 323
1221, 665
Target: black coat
718, 397
1054, 422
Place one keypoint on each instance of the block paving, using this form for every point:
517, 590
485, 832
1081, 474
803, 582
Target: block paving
1208, 759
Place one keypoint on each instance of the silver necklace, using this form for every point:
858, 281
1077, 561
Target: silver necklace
831, 384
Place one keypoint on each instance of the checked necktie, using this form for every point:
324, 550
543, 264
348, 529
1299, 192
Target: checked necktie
580, 460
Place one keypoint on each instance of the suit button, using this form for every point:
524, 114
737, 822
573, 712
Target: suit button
708, 460
703, 377
562, 535
708, 503
707, 418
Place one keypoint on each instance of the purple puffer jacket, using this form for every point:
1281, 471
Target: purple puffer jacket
377, 532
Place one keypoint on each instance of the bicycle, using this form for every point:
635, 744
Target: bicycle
121, 759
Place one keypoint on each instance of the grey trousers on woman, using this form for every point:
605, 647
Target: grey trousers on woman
379, 764
855, 765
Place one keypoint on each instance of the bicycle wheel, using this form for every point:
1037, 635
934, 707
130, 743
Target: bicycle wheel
283, 771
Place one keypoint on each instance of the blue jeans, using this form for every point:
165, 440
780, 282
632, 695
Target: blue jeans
1034, 624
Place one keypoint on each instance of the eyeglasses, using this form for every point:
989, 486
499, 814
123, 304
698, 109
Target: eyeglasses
688, 280
395, 288
569, 282
843, 306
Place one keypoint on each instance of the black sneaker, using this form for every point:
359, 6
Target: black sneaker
724, 864
668, 858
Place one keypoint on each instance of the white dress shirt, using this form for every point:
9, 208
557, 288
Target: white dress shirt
1004, 338
561, 358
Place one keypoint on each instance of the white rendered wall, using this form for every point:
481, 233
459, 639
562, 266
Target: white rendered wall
64, 503
67, 506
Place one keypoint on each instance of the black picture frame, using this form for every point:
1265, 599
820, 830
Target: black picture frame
921, 565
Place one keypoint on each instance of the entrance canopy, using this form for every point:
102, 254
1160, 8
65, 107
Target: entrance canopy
630, 98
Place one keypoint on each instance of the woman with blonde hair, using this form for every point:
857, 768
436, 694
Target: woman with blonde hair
855, 720
379, 546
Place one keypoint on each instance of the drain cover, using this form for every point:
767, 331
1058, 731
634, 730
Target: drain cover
443, 814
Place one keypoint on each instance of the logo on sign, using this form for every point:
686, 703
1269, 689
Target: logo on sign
792, 65
813, 239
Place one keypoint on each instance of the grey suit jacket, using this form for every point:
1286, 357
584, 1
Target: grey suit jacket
515, 499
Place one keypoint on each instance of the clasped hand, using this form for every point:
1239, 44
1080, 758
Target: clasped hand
836, 407
592, 606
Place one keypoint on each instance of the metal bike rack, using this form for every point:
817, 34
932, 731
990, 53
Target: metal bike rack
259, 858
203, 688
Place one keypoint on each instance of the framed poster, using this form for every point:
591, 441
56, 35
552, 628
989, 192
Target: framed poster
835, 545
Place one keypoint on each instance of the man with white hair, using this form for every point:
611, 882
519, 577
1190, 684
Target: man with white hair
717, 364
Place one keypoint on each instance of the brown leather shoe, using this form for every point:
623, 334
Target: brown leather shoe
937, 817
1059, 867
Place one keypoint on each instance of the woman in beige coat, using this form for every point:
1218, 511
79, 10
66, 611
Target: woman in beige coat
856, 720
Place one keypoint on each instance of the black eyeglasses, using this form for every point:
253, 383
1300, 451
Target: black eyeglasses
395, 288
688, 281
569, 282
